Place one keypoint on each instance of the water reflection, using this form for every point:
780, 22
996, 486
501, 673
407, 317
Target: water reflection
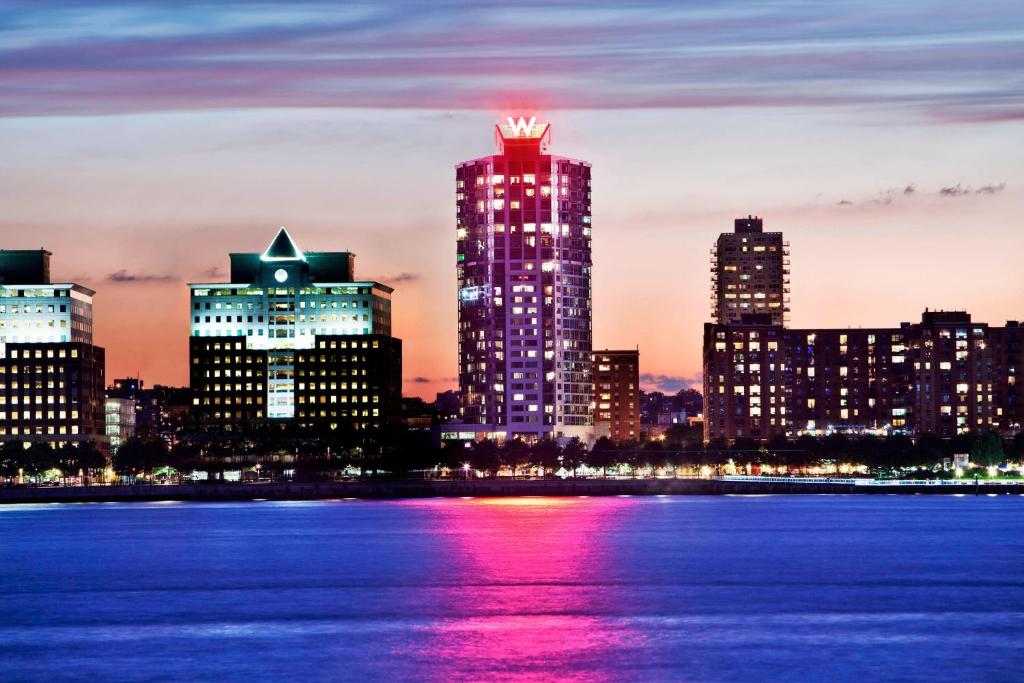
526, 574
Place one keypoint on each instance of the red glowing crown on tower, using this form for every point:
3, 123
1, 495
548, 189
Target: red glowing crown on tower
518, 130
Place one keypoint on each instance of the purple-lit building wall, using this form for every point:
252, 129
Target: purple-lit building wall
524, 276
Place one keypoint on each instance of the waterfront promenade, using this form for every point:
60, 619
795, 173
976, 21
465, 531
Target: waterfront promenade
499, 487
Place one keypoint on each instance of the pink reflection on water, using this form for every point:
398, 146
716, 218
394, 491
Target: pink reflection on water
526, 598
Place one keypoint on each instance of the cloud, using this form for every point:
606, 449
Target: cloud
116, 56
213, 273
959, 190
890, 195
124, 277
990, 189
669, 383
431, 380
401, 278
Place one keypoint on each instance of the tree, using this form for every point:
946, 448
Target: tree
573, 454
836, 447
515, 454
81, 457
39, 457
90, 458
1016, 447
895, 451
929, 450
138, 455
987, 449
484, 456
680, 435
603, 454
12, 459
546, 454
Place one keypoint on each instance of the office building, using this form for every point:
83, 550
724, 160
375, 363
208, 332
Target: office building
523, 259
51, 374
146, 402
750, 273
617, 394
293, 337
120, 421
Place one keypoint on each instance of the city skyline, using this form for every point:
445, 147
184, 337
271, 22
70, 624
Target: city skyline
122, 186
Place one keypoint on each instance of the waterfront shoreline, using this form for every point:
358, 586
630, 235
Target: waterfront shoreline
482, 488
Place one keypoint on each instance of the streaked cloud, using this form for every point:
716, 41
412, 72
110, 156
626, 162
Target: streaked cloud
94, 57
400, 278
959, 190
906, 192
124, 277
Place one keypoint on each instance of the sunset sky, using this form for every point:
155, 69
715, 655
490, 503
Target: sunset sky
141, 142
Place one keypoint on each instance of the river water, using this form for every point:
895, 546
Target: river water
771, 588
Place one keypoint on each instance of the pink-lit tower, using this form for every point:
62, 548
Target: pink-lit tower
524, 269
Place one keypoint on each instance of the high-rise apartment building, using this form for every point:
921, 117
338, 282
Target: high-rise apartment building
293, 337
617, 394
51, 374
523, 258
750, 273
945, 375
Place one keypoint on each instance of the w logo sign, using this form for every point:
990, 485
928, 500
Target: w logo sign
521, 127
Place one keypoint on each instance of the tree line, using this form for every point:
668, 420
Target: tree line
397, 452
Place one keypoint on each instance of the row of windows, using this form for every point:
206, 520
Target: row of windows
50, 429
39, 353
38, 415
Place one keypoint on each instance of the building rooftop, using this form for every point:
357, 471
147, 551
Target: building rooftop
25, 266
282, 248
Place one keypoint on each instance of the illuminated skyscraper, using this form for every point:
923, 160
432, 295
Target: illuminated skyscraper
523, 235
293, 336
51, 374
750, 273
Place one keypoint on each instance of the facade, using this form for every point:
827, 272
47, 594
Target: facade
748, 380
945, 375
288, 330
120, 421
617, 394
1008, 348
51, 374
750, 273
523, 258
955, 374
